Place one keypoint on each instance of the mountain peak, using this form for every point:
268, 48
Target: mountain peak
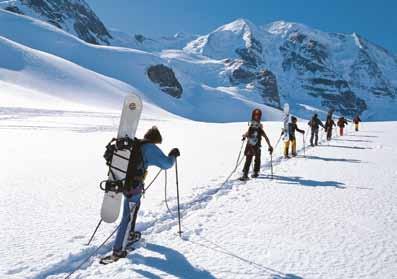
283, 28
240, 24
224, 41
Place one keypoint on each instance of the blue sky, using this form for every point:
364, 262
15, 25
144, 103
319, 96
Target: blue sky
375, 20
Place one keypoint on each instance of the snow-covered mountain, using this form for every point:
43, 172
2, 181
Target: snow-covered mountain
238, 65
297, 64
158, 79
73, 16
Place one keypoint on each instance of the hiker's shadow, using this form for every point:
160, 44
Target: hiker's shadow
363, 136
353, 140
168, 261
345, 146
333, 159
297, 180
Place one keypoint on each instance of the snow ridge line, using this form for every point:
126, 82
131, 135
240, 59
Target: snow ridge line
162, 223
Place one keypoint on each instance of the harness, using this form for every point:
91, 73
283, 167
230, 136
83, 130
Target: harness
254, 134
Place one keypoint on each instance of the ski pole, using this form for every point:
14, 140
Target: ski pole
93, 253
278, 141
239, 154
177, 196
97, 227
151, 183
271, 164
304, 146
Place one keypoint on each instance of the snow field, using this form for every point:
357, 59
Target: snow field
331, 214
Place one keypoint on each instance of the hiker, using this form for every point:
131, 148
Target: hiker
292, 127
356, 121
329, 125
147, 155
253, 148
315, 124
342, 122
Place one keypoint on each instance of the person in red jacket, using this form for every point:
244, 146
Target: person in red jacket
253, 148
342, 122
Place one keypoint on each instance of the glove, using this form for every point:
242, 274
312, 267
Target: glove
270, 149
174, 152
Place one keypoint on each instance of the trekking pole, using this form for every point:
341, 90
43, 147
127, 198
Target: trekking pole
93, 253
177, 196
239, 154
278, 141
97, 227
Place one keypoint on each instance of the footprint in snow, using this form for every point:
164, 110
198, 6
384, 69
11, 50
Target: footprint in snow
16, 270
76, 238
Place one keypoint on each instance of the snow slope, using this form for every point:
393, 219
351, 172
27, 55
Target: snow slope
329, 215
199, 100
37, 79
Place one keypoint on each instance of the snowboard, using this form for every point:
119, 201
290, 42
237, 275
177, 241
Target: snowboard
285, 122
130, 115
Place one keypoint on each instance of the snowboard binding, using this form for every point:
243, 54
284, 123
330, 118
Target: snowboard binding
116, 186
117, 144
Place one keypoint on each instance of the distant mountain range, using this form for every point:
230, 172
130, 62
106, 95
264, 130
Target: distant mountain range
270, 65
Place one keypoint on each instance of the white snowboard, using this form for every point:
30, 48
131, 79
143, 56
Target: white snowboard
285, 122
130, 116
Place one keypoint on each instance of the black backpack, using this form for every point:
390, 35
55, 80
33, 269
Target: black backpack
135, 173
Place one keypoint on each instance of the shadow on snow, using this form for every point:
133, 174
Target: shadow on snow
169, 261
333, 159
345, 146
264, 271
297, 180
363, 136
353, 140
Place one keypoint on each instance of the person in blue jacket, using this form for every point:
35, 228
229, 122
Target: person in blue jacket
146, 154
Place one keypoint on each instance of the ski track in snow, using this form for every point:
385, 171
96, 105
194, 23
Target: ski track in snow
206, 235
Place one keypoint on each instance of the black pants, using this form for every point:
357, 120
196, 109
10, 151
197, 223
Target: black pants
248, 160
329, 134
314, 136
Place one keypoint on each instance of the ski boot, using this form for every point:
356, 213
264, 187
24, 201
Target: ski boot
244, 178
255, 175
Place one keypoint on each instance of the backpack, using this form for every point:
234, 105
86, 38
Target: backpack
135, 173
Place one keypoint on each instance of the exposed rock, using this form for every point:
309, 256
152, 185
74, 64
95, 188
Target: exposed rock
303, 54
14, 9
264, 80
251, 55
267, 82
140, 38
241, 73
165, 78
375, 83
346, 103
